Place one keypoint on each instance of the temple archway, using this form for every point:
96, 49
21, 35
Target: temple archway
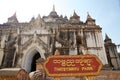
33, 63
29, 59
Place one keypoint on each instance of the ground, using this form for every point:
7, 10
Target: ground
104, 75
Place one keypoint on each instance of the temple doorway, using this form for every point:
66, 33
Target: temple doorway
33, 63
29, 60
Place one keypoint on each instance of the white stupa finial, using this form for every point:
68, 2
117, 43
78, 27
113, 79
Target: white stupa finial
88, 15
53, 7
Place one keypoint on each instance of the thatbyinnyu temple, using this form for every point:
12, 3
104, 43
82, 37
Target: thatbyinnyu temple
21, 44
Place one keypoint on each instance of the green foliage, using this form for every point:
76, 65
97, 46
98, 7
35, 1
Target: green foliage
119, 54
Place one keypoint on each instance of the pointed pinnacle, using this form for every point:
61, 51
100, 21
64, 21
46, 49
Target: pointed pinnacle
53, 7
88, 15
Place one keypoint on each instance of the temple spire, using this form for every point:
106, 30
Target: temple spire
12, 19
106, 37
88, 15
39, 17
14, 15
74, 13
53, 13
90, 20
53, 7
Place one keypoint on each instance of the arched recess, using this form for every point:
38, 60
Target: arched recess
29, 56
33, 62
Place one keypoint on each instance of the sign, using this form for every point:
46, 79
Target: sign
78, 65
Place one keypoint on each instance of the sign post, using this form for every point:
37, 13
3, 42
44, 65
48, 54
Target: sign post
57, 78
69, 66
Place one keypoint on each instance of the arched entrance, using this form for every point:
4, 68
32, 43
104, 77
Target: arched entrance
33, 63
29, 59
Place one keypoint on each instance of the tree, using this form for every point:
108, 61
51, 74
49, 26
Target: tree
119, 54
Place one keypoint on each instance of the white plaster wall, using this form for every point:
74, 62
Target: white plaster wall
57, 44
118, 59
98, 43
44, 39
73, 51
111, 52
99, 53
102, 56
90, 40
99, 38
24, 39
38, 30
1, 56
103, 49
114, 62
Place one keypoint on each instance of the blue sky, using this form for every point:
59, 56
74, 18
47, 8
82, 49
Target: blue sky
106, 12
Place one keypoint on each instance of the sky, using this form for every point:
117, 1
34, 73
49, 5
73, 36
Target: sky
106, 12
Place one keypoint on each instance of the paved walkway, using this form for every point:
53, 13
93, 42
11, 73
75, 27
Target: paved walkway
104, 75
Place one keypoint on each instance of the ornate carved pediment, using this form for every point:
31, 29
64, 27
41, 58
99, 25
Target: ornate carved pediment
33, 28
34, 40
37, 25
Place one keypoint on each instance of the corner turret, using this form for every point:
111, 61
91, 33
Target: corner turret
12, 19
75, 18
111, 51
90, 20
107, 39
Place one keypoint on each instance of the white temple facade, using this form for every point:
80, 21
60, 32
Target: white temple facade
23, 43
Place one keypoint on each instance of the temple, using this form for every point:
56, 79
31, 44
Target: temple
21, 44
